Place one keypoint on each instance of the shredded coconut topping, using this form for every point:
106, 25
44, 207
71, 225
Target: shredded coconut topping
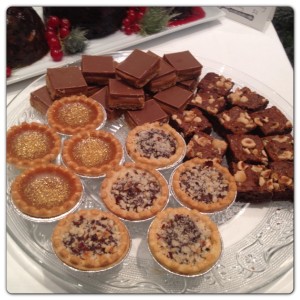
155, 143
136, 190
98, 236
184, 241
204, 183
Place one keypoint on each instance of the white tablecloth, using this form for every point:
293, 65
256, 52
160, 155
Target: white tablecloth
259, 54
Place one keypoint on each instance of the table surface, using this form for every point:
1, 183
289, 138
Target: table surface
259, 54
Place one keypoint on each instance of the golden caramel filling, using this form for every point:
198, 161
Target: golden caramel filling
31, 145
92, 152
47, 191
75, 114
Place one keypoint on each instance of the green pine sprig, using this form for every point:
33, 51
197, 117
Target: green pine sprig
75, 42
155, 20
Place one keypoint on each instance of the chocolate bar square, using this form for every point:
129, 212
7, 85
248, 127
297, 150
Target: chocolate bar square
41, 100
173, 99
138, 68
65, 81
185, 64
151, 112
123, 96
97, 69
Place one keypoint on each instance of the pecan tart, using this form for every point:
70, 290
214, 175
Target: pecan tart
31, 144
184, 241
134, 191
156, 144
204, 185
91, 240
70, 114
46, 191
92, 153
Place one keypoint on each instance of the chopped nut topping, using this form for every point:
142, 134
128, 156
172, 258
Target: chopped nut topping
240, 176
248, 143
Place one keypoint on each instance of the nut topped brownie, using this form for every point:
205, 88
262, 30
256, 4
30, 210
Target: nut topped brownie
247, 99
134, 191
215, 83
279, 147
189, 122
253, 182
235, 121
246, 147
209, 102
205, 146
271, 121
184, 241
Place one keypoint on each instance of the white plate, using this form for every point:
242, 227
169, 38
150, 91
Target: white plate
113, 42
257, 239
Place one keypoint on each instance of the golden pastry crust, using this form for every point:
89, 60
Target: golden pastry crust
31, 144
92, 153
134, 191
91, 240
184, 241
46, 191
156, 144
204, 185
69, 115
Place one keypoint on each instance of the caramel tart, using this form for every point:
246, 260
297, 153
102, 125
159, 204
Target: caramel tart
31, 144
184, 241
46, 191
91, 240
204, 185
92, 153
156, 144
134, 191
70, 114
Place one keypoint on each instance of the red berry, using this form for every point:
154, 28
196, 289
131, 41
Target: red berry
135, 28
142, 9
131, 16
53, 21
54, 43
49, 34
65, 23
139, 15
56, 54
63, 32
126, 22
128, 30
8, 71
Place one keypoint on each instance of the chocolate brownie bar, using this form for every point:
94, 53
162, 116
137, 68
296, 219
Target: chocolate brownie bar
279, 147
253, 183
271, 121
186, 65
189, 85
209, 102
101, 96
215, 83
123, 96
65, 81
247, 99
246, 147
138, 68
189, 122
173, 99
41, 100
234, 121
151, 112
283, 180
97, 69
165, 78
205, 146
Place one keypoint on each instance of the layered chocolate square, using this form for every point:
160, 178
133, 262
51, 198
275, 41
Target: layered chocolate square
41, 100
65, 81
138, 68
97, 69
123, 96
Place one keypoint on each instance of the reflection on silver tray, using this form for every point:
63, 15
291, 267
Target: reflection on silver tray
257, 239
